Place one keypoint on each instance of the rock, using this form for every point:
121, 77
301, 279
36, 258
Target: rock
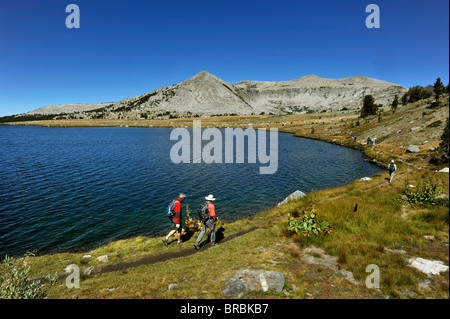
430, 267
250, 280
415, 128
444, 170
172, 287
429, 237
88, 270
425, 142
365, 179
412, 149
399, 131
295, 195
87, 256
432, 149
103, 258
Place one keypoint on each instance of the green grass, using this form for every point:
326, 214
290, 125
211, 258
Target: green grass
359, 238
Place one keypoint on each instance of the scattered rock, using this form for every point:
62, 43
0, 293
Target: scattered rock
172, 287
103, 258
430, 267
444, 170
87, 256
429, 237
432, 149
412, 149
295, 195
88, 270
250, 280
317, 256
394, 251
399, 131
365, 179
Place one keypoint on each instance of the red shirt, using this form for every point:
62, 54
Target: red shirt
177, 210
211, 210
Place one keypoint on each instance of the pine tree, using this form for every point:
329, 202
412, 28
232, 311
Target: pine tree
369, 107
439, 89
444, 145
405, 99
395, 103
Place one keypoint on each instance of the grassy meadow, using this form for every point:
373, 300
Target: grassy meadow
373, 222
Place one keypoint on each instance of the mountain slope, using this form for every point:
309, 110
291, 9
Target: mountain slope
315, 94
206, 94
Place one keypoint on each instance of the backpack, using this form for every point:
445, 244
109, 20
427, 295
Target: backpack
203, 212
170, 212
391, 168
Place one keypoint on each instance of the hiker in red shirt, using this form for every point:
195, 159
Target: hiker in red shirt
175, 214
208, 223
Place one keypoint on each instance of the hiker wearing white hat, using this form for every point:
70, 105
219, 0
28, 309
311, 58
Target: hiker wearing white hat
392, 169
207, 214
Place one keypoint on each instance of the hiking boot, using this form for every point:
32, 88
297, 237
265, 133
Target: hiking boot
165, 242
197, 246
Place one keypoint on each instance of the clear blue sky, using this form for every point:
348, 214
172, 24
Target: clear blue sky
127, 48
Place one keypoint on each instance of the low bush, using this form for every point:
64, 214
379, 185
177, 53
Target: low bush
308, 226
423, 194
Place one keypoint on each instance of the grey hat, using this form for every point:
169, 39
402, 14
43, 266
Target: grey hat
181, 196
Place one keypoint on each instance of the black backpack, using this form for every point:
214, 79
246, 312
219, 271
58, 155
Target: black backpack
391, 168
203, 212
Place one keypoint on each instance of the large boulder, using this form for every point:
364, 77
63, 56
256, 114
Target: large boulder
295, 195
412, 149
249, 280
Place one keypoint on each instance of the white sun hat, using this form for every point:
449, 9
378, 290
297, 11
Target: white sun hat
210, 197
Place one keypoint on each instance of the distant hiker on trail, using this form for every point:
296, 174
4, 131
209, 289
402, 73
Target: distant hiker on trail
368, 140
174, 213
392, 169
373, 141
354, 138
207, 213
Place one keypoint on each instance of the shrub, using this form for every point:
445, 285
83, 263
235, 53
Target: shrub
192, 225
423, 193
16, 284
307, 226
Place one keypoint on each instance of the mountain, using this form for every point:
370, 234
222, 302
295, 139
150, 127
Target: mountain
312, 93
206, 94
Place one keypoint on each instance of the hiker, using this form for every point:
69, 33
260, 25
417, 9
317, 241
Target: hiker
392, 168
368, 141
373, 141
175, 214
209, 221
354, 138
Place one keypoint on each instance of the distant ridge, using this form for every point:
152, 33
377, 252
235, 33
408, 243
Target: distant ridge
206, 94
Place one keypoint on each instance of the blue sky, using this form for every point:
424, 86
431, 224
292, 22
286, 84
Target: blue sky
127, 48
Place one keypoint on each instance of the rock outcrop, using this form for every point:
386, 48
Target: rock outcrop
250, 280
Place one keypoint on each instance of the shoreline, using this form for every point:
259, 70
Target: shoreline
93, 247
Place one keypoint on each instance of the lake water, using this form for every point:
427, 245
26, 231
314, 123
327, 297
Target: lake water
77, 188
